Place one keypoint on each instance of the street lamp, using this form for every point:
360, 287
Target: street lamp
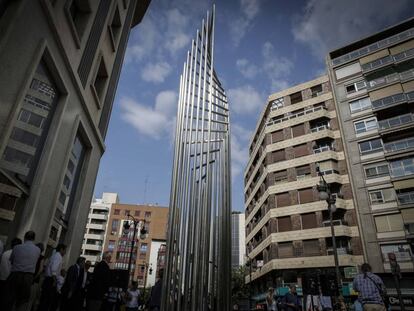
325, 193
142, 234
252, 265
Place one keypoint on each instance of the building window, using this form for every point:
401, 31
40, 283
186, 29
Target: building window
25, 145
137, 213
402, 252
115, 27
301, 150
360, 104
285, 250
296, 98
284, 224
382, 195
280, 177
403, 167
305, 195
277, 136
303, 171
117, 211
111, 245
355, 87
53, 234
100, 81
79, 11
277, 103
283, 199
114, 226
365, 125
311, 248
127, 212
370, 146
143, 247
278, 156
316, 90
388, 223
298, 130
147, 214
376, 170
309, 221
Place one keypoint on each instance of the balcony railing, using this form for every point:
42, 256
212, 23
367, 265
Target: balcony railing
335, 222
323, 149
377, 63
299, 114
406, 198
340, 251
391, 78
399, 145
396, 121
403, 55
320, 128
373, 47
389, 101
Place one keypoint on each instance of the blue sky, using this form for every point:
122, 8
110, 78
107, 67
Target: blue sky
261, 47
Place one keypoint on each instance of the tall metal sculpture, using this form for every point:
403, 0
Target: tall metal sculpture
197, 272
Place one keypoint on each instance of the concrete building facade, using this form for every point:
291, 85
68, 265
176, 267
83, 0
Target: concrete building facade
154, 219
97, 226
373, 84
287, 225
238, 239
60, 62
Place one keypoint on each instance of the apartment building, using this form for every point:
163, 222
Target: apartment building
287, 225
238, 239
96, 227
60, 64
145, 254
373, 84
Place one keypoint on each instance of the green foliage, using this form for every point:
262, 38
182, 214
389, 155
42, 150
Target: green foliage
239, 290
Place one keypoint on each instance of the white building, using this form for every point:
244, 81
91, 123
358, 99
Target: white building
238, 237
98, 216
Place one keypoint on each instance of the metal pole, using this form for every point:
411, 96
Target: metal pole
250, 285
337, 272
132, 248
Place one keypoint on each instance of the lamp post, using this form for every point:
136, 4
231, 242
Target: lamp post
250, 263
325, 193
143, 234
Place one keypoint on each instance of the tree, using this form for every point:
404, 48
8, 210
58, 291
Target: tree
239, 289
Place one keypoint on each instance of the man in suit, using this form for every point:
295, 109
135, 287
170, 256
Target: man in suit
99, 284
72, 288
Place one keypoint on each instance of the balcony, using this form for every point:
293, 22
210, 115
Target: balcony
339, 250
400, 57
405, 75
335, 222
296, 115
389, 101
323, 149
320, 128
395, 122
378, 63
401, 168
406, 198
399, 145
402, 36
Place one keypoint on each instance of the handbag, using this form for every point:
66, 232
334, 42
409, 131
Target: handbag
383, 293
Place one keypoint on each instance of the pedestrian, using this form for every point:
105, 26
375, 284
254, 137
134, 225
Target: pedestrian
35, 289
48, 298
291, 301
85, 282
132, 297
100, 283
270, 300
326, 302
155, 298
23, 266
371, 289
313, 303
71, 290
5, 269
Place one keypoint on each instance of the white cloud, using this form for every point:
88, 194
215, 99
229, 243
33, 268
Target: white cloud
239, 149
247, 69
326, 24
176, 38
244, 99
143, 42
239, 26
156, 72
155, 122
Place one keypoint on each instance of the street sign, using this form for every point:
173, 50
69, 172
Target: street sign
350, 272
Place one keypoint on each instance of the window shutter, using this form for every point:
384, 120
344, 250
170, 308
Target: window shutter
298, 130
285, 250
382, 223
301, 150
303, 170
306, 196
280, 176
311, 248
283, 199
277, 136
278, 156
396, 222
284, 224
309, 221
